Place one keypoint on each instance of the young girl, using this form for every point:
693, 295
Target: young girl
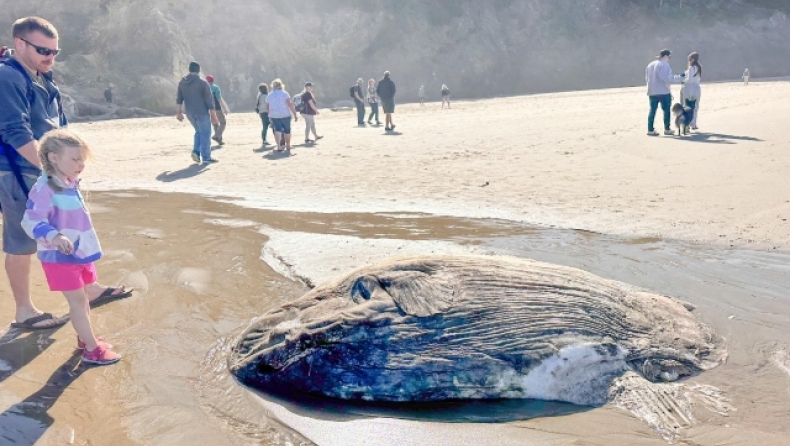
373, 99
56, 217
445, 96
691, 93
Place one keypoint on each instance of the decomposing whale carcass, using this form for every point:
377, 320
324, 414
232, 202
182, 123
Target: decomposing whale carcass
458, 327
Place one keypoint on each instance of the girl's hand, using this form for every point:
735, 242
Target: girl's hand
63, 244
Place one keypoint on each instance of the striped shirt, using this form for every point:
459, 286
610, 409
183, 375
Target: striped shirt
50, 213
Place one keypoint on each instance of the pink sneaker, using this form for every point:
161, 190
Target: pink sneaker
101, 355
81, 345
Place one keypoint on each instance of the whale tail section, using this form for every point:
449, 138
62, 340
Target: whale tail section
666, 408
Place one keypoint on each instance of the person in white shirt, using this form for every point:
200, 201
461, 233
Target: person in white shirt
658, 76
746, 77
691, 93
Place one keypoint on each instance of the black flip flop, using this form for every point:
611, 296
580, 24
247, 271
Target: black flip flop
30, 323
108, 296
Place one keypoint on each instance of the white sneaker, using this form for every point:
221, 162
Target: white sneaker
669, 132
652, 133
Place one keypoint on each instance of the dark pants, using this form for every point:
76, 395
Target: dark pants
374, 111
666, 103
219, 128
266, 123
360, 113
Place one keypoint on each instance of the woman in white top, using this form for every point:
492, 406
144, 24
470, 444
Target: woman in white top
281, 109
260, 108
691, 92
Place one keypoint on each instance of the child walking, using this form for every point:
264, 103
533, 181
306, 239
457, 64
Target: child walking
56, 217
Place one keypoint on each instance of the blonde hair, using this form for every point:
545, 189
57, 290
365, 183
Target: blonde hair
277, 84
371, 81
54, 142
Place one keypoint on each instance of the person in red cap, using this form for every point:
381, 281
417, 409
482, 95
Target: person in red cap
222, 109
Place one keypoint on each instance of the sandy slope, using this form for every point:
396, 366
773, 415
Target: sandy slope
578, 159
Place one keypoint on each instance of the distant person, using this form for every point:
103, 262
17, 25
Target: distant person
108, 95
691, 93
373, 99
194, 94
386, 91
221, 107
308, 113
445, 96
658, 76
280, 109
746, 77
5, 52
358, 93
260, 108
58, 220
421, 95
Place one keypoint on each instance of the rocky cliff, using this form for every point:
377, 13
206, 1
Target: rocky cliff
479, 49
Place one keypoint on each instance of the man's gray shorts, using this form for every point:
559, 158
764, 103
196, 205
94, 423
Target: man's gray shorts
12, 204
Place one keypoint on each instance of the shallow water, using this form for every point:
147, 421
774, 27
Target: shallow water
198, 266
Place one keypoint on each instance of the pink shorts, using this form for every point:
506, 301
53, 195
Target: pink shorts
69, 276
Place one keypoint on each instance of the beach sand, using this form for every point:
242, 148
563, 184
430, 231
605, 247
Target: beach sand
702, 218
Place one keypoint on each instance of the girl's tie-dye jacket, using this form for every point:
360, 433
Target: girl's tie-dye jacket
50, 213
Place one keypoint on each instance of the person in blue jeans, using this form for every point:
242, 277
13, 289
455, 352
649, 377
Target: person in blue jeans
658, 76
194, 95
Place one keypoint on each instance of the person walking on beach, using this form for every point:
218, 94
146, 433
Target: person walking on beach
57, 219
373, 99
691, 93
220, 107
358, 93
421, 95
260, 108
386, 91
658, 76
308, 113
280, 109
746, 77
445, 96
194, 94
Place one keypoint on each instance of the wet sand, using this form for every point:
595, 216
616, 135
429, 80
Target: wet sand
198, 265
570, 160
673, 215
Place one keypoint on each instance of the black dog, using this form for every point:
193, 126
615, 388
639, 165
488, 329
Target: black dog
683, 117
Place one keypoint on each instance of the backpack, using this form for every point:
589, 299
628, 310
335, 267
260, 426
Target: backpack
353, 92
298, 103
9, 151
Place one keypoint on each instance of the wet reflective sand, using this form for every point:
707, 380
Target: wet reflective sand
197, 264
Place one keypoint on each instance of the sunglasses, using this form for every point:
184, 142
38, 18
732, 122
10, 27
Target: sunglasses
44, 51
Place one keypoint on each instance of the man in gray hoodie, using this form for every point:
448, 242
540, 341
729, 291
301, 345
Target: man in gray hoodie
659, 76
194, 94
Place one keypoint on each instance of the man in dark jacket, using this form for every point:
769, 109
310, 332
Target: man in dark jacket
359, 101
194, 94
386, 91
28, 109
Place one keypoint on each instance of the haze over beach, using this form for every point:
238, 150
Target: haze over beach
543, 155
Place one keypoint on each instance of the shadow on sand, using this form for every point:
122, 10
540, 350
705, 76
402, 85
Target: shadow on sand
16, 350
717, 138
188, 172
275, 155
26, 422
